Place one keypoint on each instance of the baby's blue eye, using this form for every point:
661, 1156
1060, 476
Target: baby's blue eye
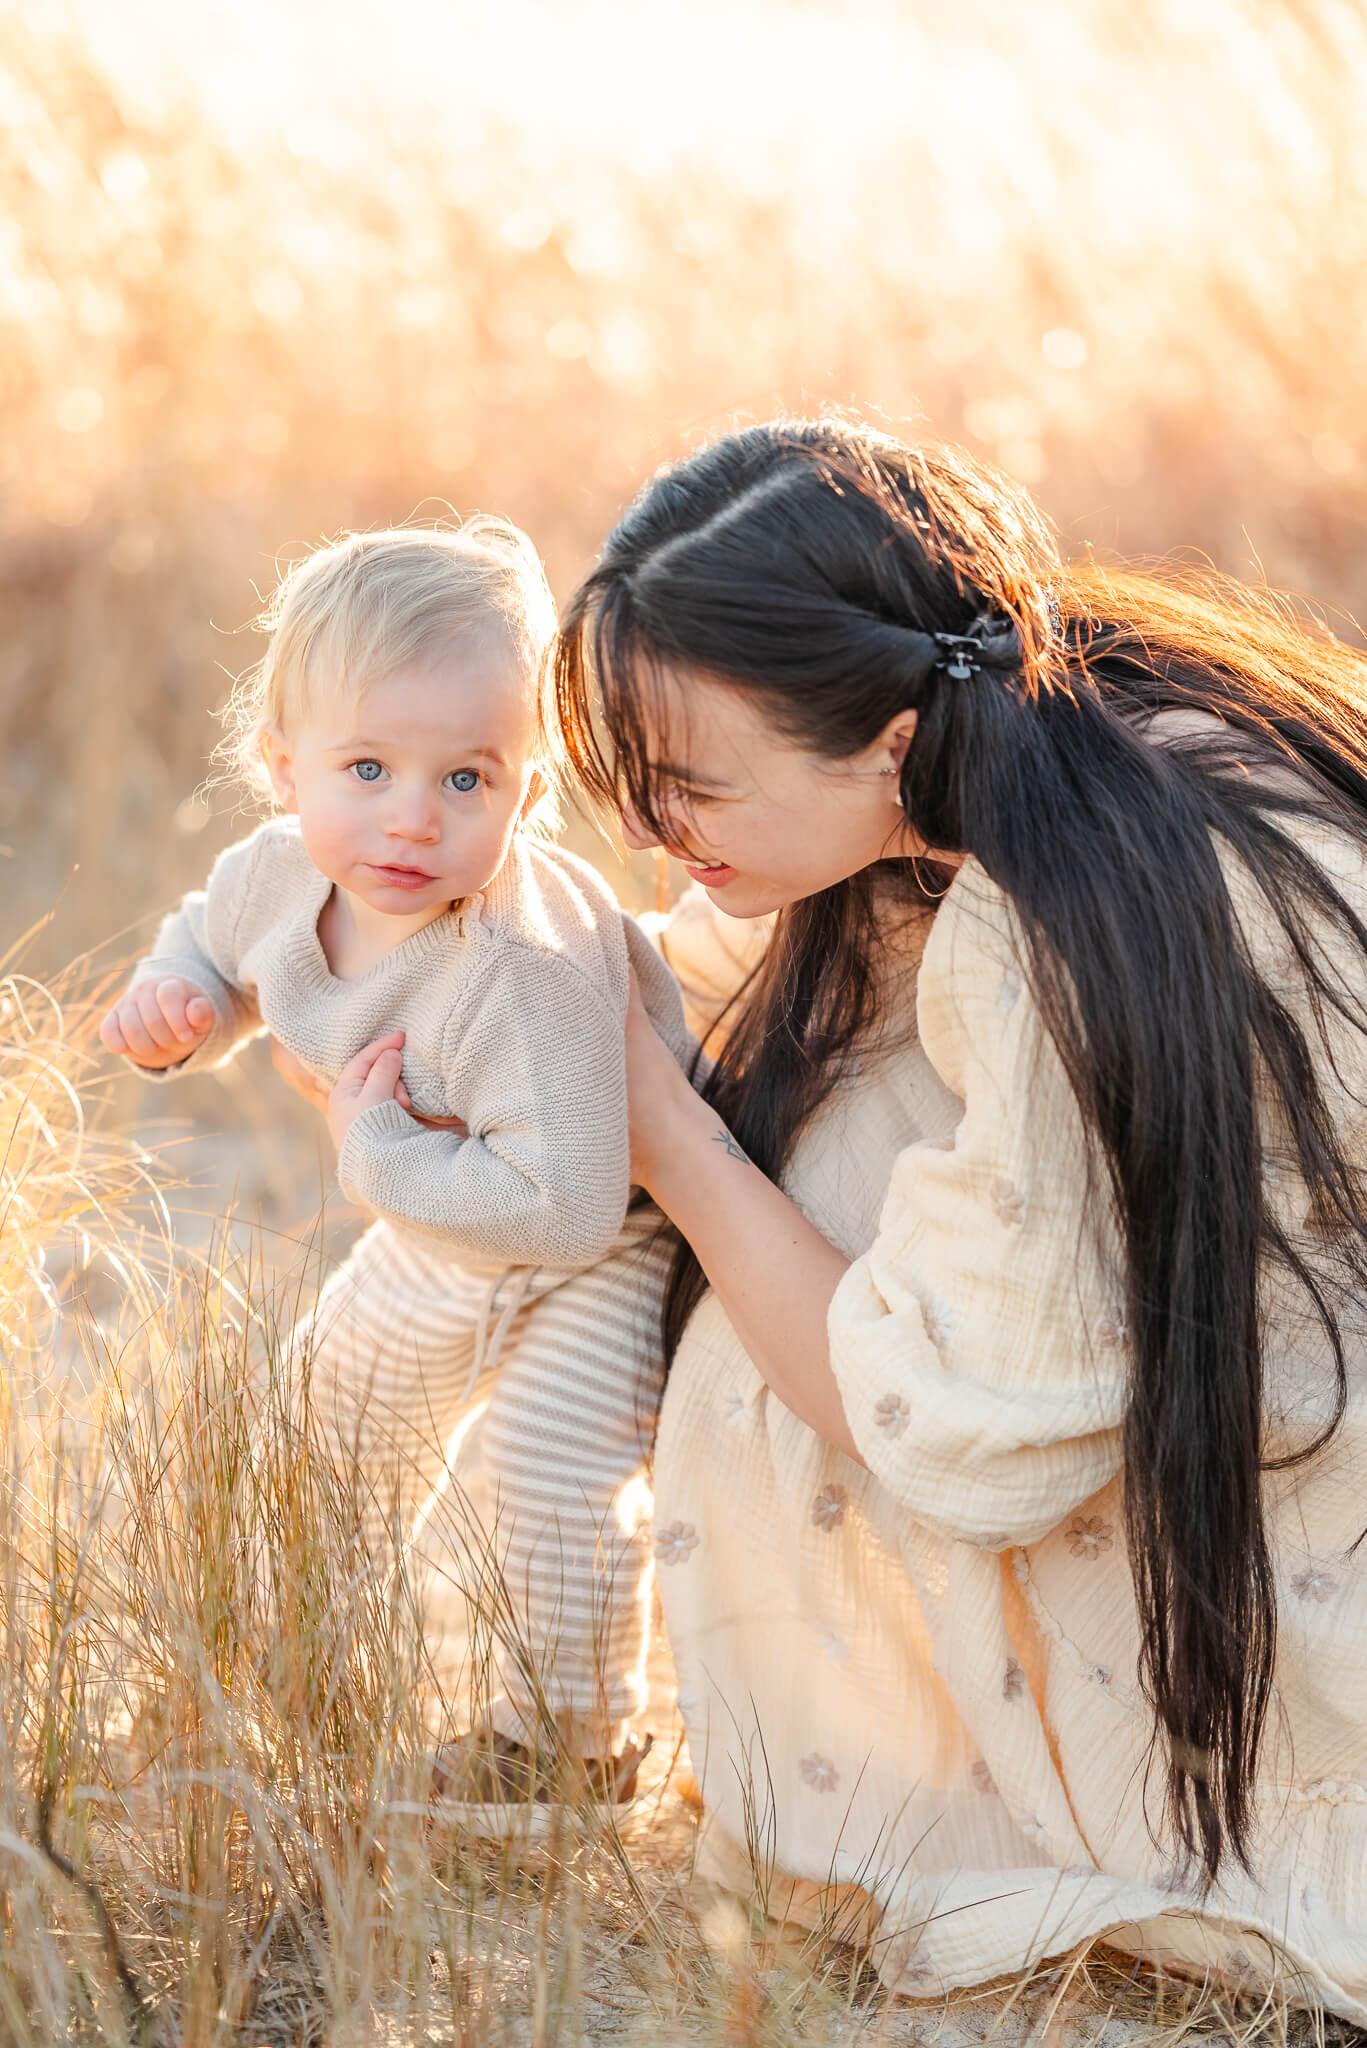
368, 771
463, 779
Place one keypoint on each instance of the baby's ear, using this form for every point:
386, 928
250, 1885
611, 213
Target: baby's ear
279, 766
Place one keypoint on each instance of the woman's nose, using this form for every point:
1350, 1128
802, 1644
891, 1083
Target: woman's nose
636, 832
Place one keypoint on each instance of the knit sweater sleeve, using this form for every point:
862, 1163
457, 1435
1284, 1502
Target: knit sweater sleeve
979, 1345
539, 1073
200, 942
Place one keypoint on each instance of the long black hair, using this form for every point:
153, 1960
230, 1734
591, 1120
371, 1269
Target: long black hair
805, 563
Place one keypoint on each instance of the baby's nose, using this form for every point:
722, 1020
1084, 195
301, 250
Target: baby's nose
414, 816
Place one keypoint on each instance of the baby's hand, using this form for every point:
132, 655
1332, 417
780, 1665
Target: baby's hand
375, 1075
158, 1022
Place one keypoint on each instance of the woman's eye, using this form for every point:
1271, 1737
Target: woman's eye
367, 771
464, 779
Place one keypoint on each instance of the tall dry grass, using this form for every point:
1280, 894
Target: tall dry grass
218, 1710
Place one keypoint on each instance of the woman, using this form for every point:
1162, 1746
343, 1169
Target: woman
1007, 1494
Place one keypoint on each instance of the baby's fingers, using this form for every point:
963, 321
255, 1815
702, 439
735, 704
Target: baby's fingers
383, 1081
111, 1036
354, 1074
138, 1042
188, 1013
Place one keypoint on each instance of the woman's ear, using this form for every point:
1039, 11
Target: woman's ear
890, 747
279, 766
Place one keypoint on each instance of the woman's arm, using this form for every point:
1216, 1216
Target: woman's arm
772, 1270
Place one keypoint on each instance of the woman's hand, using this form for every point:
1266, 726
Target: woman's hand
772, 1270
659, 1096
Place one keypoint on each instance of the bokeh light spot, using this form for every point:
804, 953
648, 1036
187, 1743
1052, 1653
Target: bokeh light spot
1063, 348
124, 175
570, 339
80, 409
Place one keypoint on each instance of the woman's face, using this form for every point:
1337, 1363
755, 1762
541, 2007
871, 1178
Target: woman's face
759, 820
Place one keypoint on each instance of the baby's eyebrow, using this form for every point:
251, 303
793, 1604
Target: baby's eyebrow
364, 745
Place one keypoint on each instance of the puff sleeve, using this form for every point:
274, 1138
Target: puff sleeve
980, 1345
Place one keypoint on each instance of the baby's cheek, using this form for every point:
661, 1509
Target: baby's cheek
330, 836
488, 844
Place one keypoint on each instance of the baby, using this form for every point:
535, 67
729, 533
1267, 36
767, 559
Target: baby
406, 897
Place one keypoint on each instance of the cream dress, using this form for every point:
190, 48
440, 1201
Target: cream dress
910, 1690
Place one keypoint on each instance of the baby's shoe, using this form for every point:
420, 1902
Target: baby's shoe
491, 1785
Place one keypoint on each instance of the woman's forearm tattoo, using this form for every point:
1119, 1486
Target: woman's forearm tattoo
733, 1151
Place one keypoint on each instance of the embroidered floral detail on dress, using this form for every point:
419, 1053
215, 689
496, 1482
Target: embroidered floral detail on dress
1008, 991
1088, 1535
687, 1699
1008, 1201
675, 1544
982, 1776
1100, 1674
939, 1318
832, 1646
1114, 1328
828, 1509
734, 1408
892, 1414
1013, 1679
819, 1772
1314, 1583
1354, 1316
1034, 1830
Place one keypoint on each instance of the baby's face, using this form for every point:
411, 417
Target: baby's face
408, 797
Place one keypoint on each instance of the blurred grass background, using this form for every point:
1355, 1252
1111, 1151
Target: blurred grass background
271, 270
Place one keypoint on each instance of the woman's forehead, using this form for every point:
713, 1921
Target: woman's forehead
695, 727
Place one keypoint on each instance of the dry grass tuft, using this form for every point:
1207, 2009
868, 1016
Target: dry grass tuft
217, 1708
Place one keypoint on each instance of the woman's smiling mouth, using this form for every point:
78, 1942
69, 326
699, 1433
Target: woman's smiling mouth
712, 875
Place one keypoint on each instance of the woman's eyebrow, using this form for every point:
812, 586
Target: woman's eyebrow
666, 771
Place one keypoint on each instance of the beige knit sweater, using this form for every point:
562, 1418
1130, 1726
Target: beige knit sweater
513, 1004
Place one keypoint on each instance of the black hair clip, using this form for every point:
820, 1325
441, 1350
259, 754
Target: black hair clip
992, 634
958, 661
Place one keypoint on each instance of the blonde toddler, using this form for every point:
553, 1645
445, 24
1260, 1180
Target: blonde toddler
459, 984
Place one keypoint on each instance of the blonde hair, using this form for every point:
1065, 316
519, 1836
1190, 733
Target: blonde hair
364, 605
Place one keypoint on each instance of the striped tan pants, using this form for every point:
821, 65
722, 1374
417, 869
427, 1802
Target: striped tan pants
499, 1427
